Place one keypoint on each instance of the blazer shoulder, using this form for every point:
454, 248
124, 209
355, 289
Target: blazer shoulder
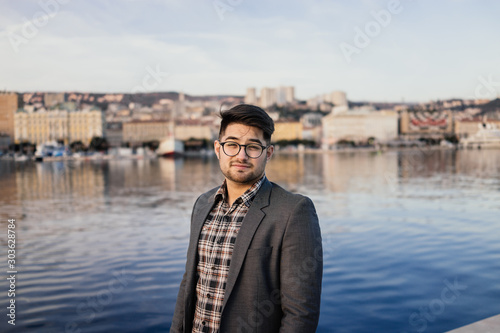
281, 194
207, 196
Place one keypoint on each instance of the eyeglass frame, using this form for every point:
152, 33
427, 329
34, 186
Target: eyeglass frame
239, 149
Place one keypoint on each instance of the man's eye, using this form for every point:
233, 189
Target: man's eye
253, 148
231, 145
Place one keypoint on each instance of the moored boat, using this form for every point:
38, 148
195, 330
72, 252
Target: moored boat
488, 136
170, 147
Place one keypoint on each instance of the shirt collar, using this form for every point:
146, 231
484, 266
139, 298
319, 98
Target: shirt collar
246, 197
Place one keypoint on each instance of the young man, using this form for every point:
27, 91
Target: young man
254, 261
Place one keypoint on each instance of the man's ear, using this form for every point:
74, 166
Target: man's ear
217, 148
269, 153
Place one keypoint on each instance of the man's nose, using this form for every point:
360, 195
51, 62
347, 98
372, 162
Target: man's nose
242, 154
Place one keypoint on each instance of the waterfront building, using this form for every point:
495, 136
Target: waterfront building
359, 125
469, 127
86, 124
114, 133
60, 125
311, 119
41, 126
137, 132
4, 142
9, 103
426, 124
186, 129
312, 126
287, 130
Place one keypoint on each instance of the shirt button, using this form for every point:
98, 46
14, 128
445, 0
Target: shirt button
213, 268
203, 323
208, 295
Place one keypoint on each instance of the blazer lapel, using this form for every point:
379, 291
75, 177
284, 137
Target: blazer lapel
202, 209
248, 228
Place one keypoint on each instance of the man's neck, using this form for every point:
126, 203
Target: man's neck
235, 190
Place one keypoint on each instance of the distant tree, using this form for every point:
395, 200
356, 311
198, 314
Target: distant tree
196, 144
27, 147
98, 144
153, 145
296, 142
77, 146
453, 138
345, 142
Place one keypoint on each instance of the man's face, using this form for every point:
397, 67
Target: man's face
242, 169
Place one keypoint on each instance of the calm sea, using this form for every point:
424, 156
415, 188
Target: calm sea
411, 239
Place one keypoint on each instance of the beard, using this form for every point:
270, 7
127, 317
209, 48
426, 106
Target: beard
246, 176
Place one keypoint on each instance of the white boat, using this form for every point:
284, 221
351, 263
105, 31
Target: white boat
170, 147
488, 136
20, 158
51, 151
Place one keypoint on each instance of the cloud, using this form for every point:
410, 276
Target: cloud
107, 45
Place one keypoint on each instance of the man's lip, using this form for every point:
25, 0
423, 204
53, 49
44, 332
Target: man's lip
240, 165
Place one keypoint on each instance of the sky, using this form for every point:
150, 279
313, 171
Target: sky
374, 50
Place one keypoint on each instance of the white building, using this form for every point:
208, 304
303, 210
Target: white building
311, 126
290, 94
251, 96
86, 124
41, 126
338, 98
359, 125
285, 95
314, 102
267, 97
282, 95
324, 101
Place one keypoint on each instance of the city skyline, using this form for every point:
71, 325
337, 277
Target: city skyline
393, 51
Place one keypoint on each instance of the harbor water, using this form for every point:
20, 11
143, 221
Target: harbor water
411, 238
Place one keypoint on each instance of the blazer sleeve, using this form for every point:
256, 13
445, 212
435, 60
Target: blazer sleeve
178, 319
301, 270
180, 305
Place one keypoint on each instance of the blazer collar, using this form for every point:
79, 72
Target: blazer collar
248, 228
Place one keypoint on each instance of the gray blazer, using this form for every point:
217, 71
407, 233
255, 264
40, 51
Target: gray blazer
274, 281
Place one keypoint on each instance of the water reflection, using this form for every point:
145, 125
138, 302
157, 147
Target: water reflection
352, 172
330, 172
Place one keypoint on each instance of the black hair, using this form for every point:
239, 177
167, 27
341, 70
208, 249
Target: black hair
249, 115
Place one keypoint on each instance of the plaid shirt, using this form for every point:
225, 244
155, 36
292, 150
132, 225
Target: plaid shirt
215, 249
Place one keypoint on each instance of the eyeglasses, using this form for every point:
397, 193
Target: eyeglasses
252, 150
